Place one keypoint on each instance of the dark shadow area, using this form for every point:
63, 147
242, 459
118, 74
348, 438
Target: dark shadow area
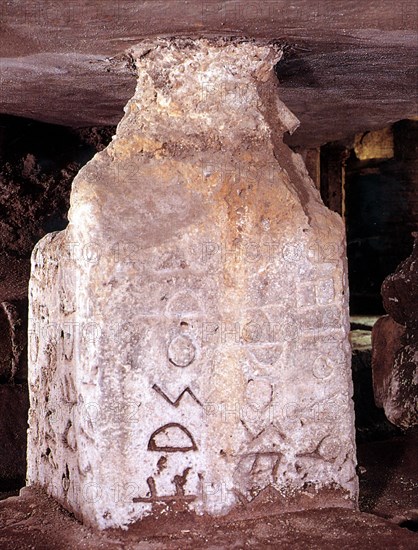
294, 70
381, 199
371, 422
382, 449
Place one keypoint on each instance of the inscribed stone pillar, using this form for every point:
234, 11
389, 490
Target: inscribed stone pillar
189, 329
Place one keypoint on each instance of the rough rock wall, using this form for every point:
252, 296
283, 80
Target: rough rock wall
189, 329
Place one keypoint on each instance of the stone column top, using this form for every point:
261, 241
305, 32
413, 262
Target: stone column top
203, 91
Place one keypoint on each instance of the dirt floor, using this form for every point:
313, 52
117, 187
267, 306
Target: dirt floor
34, 521
389, 503
388, 472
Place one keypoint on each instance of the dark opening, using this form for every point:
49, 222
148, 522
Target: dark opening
381, 212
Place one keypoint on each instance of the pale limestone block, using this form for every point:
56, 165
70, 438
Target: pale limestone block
189, 329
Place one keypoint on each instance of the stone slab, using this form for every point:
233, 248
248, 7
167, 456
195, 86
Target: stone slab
349, 66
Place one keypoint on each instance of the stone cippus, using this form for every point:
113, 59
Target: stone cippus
193, 316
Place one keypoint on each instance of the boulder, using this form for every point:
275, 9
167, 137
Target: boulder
387, 337
395, 353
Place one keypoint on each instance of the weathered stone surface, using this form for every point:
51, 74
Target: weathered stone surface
387, 337
189, 329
